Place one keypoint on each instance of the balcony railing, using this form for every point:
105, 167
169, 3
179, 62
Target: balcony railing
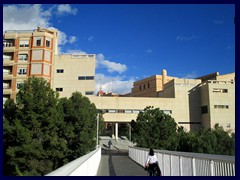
8, 61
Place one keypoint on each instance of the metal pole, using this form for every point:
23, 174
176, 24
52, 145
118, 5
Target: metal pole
130, 138
97, 129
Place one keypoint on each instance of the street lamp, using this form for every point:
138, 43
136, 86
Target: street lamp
130, 133
98, 116
97, 129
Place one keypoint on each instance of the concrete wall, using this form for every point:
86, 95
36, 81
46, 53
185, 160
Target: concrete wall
74, 66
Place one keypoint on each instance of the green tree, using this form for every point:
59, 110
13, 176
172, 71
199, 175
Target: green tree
153, 128
31, 142
79, 124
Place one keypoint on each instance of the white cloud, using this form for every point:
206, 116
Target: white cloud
25, 17
218, 22
149, 51
29, 17
188, 38
191, 75
111, 66
115, 84
90, 38
79, 51
62, 38
72, 39
66, 9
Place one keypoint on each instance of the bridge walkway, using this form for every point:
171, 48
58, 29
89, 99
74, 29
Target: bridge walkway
117, 163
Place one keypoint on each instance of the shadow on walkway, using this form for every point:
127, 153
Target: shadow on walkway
117, 163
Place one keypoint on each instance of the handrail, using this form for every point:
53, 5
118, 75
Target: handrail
173, 163
86, 165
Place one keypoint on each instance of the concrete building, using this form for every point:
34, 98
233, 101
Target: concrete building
25, 54
35, 53
193, 103
74, 73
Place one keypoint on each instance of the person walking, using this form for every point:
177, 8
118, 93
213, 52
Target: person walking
151, 164
109, 144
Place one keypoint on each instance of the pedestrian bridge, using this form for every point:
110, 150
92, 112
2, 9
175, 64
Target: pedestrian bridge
122, 162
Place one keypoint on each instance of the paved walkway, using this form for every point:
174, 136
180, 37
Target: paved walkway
114, 163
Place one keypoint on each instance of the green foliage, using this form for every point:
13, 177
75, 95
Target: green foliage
153, 129
79, 124
42, 132
157, 130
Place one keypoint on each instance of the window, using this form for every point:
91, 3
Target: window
128, 111
204, 109
85, 77
89, 93
144, 86
22, 57
19, 84
112, 110
38, 42
24, 43
81, 77
121, 110
22, 71
219, 90
60, 70
167, 111
136, 111
221, 106
59, 89
89, 77
47, 43
148, 85
140, 87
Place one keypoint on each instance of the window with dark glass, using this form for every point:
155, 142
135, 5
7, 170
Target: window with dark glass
22, 71
89, 93
85, 77
81, 77
59, 89
60, 70
39, 42
89, 77
47, 43
204, 109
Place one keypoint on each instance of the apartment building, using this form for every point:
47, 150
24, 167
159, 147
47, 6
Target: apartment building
25, 54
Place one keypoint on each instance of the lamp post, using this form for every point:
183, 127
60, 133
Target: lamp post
97, 129
130, 134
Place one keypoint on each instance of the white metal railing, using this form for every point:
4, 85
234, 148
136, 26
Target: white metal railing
173, 163
86, 165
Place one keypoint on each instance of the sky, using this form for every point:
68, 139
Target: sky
135, 41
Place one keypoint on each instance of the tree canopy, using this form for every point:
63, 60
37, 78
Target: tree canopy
153, 128
42, 132
157, 130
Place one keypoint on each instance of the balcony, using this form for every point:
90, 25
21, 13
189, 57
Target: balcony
7, 75
7, 90
8, 46
8, 62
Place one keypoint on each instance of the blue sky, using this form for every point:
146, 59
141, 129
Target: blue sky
134, 41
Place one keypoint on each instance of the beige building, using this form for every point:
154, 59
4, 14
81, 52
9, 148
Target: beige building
74, 73
193, 103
